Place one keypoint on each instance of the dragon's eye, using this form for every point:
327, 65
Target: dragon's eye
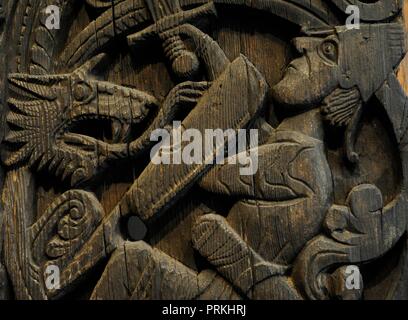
329, 50
82, 91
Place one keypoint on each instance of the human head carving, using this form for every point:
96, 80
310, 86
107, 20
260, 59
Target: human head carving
312, 76
340, 69
344, 58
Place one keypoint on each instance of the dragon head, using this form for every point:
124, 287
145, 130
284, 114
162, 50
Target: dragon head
49, 121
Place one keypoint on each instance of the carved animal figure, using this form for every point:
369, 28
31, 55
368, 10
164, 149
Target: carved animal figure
46, 112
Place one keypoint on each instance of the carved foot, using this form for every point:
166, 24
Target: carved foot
230, 255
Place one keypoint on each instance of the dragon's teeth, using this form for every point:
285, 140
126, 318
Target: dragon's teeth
126, 131
116, 131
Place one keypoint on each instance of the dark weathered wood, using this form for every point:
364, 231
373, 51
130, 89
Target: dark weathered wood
80, 106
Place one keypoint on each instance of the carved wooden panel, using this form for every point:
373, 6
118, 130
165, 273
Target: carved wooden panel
94, 94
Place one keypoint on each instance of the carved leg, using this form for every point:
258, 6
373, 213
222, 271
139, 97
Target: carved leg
215, 239
138, 271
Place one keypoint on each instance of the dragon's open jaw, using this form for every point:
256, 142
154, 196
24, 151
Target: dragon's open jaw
94, 105
112, 115
73, 119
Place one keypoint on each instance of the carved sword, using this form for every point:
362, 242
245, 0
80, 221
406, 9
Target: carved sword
169, 15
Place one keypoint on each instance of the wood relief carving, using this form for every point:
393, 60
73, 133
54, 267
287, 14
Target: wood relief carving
92, 90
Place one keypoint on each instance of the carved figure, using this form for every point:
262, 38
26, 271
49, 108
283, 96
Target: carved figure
80, 106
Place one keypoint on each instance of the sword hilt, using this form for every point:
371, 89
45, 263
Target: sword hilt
185, 63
